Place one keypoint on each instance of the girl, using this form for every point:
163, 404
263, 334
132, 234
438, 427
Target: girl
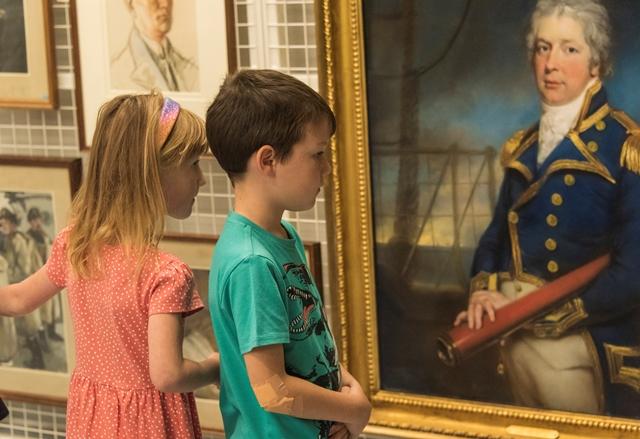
128, 299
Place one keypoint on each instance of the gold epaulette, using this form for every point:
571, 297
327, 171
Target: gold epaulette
630, 154
510, 147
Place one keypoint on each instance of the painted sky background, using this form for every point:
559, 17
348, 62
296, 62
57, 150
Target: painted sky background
483, 90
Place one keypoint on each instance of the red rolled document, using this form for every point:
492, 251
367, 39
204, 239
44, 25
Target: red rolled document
461, 342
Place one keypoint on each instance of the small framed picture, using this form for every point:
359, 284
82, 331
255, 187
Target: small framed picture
36, 350
27, 62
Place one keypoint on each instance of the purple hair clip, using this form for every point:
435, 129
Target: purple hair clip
168, 116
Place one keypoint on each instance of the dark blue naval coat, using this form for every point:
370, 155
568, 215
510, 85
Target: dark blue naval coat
583, 201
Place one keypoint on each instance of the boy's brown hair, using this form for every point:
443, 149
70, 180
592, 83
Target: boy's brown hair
261, 107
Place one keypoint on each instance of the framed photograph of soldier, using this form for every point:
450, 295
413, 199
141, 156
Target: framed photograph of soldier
36, 350
132, 46
446, 159
199, 341
27, 62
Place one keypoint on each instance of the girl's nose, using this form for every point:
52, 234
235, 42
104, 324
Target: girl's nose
201, 180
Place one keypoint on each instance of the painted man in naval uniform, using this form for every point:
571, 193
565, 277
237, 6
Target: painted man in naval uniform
571, 192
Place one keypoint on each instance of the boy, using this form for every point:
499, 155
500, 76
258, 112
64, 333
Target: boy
280, 376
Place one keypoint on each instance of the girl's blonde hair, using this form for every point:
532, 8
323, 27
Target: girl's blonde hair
121, 201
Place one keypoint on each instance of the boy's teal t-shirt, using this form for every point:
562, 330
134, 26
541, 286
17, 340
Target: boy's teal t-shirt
261, 293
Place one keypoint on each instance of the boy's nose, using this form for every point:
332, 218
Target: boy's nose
327, 167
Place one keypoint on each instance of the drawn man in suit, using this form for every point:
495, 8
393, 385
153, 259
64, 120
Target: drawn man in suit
149, 59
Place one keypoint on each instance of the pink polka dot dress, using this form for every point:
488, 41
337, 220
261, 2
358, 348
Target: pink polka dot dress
111, 394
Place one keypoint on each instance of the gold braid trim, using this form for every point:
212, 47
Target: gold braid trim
484, 281
510, 147
630, 154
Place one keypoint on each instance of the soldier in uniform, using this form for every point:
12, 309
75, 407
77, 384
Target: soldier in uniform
42, 241
8, 337
23, 260
571, 192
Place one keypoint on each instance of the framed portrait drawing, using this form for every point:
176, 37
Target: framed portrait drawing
27, 62
426, 94
178, 48
36, 350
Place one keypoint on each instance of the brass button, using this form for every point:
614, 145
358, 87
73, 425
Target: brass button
513, 217
552, 266
569, 180
556, 199
551, 244
592, 146
600, 125
552, 220
500, 369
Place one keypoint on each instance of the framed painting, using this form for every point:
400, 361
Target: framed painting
27, 62
37, 350
426, 94
178, 48
199, 341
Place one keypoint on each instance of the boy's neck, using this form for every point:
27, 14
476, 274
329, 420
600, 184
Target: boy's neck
259, 211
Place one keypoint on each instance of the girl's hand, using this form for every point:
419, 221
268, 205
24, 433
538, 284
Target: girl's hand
213, 364
480, 302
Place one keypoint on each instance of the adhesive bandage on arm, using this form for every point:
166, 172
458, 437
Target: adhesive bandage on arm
273, 396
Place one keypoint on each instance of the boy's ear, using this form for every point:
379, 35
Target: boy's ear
266, 159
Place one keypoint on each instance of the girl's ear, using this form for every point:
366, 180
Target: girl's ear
266, 159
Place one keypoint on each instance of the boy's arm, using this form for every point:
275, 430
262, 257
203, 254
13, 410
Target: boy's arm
278, 392
170, 371
23, 297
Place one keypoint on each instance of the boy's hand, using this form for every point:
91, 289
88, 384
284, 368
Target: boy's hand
339, 431
364, 409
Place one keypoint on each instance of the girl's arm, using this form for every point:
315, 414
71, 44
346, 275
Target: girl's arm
278, 392
170, 371
23, 297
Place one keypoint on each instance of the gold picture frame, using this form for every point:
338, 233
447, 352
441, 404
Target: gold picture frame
27, 70
395, 413
196, 252
48, 184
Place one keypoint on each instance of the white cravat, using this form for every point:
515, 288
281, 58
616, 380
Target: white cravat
555, 123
